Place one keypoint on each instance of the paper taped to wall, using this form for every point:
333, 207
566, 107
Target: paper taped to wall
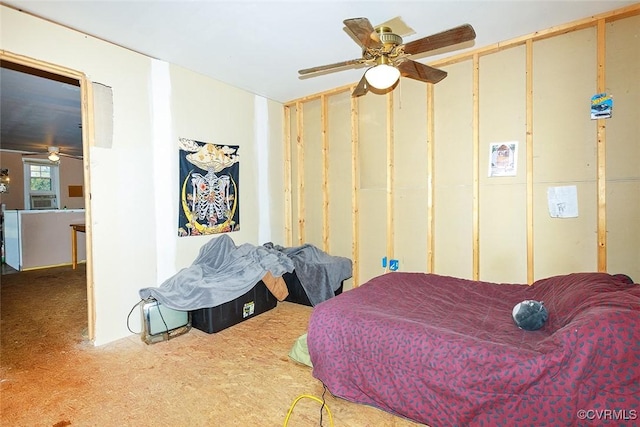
563, 201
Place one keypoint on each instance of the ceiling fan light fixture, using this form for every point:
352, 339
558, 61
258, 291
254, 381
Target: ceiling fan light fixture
382, 76
53, 154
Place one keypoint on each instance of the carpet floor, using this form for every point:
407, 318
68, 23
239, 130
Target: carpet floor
50, 375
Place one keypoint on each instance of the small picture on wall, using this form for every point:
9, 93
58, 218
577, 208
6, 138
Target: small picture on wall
209, 185
503, 158
601, 106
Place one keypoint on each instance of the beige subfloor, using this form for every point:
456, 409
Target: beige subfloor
51, 376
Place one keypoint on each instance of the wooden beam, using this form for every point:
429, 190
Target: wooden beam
430, 177
476, 167
355, 191
324, 118
390, 176
288, 213
88, 140
529, 145
601, 150
316, 96
300, 177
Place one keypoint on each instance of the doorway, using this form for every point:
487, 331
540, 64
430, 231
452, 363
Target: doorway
85, 128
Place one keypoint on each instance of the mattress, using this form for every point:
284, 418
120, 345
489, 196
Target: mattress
445, 351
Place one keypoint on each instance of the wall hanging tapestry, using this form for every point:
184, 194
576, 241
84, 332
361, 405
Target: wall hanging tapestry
209, 183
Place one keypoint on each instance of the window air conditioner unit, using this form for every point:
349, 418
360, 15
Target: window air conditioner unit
43, 201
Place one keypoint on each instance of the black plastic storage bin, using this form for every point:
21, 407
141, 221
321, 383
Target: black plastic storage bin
214, 319
297, 293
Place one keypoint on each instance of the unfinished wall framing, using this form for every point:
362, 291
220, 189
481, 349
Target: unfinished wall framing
408, 170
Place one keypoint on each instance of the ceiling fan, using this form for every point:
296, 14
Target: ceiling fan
388, 55
53, 154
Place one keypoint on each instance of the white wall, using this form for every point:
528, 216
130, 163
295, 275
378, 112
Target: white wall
134, 212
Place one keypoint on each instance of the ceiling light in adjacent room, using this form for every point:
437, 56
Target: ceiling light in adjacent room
53, 154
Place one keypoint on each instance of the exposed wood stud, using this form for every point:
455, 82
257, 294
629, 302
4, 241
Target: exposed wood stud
430, 177
601, 156
88, 140
355, 191
476, 167
529, 145
288, 214
390, 176
324, 118
300, 175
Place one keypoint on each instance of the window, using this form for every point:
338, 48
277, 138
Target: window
41, 179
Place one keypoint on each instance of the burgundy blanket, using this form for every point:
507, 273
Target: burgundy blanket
445, 351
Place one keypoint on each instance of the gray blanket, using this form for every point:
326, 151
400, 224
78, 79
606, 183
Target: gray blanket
222, 272
319, 273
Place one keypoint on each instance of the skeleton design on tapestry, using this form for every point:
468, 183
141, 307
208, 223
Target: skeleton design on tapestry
210, 197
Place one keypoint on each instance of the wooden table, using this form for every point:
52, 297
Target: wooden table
75, 228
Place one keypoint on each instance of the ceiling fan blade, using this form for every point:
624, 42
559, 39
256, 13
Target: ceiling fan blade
362, 88
71, 156
446, 38
46, 153
330, 66
399, 27
424, 73
362, 29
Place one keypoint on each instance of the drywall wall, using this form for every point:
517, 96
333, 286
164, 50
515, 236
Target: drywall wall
564, 150
312, 156
410, 175
502, 200
453, 166
132, 233
373, 211
339, 179
423, 192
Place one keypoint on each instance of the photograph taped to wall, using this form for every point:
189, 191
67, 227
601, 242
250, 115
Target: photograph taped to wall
209, 185
503, 158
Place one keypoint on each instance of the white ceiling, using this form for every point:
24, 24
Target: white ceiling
260, 45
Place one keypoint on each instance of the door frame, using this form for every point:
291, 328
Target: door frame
87, 116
